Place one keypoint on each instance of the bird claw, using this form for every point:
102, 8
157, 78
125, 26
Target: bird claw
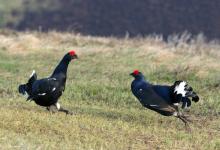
187, 118
66, 111
69, 113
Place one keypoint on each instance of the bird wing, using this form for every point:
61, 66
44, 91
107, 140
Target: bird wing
150, 99
163, 91
44, 87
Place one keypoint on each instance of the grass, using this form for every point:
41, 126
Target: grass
98, 91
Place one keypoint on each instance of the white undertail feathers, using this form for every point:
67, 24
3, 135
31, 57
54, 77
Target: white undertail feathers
180, 89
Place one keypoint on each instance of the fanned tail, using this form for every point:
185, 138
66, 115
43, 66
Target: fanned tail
25, 89
191, 93
33, 77
183, 93
21, 89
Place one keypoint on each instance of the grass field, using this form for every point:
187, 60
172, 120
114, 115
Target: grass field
98, 91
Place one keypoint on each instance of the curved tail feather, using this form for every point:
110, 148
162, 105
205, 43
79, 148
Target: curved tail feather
33, 77
21, 89
195, 98
26, 89
183, 92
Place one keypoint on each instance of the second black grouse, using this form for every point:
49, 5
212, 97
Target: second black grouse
163, 99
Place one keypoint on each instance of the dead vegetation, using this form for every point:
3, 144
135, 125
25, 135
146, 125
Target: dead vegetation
98, 90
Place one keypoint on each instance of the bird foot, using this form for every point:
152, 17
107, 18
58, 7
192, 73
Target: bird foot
69, 113
66, 111
55, 108
52, 109
187, 118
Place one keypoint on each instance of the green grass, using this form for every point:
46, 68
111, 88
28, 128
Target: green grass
98, 91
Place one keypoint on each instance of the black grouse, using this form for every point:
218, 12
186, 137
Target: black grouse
47, 91
163, 99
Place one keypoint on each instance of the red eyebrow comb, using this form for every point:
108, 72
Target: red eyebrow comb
135, 72
72, 52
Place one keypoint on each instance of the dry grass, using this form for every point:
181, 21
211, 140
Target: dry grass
98, 90
29, 41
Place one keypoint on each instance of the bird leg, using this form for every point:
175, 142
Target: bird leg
66, 111
59, 108
56, 107
52, 108
185, 120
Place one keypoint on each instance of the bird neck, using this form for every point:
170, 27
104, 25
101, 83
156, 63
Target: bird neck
139, 77
61, 69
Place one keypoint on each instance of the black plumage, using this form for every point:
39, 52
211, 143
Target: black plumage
47, 91
163, 99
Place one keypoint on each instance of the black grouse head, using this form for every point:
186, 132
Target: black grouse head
70, 55
136, 74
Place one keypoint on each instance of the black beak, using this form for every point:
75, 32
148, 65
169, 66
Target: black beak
131, 74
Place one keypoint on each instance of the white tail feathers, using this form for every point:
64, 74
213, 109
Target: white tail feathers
180, 89
32, 73
58, 106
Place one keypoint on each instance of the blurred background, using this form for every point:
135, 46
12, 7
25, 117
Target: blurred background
114, 17
167, 40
